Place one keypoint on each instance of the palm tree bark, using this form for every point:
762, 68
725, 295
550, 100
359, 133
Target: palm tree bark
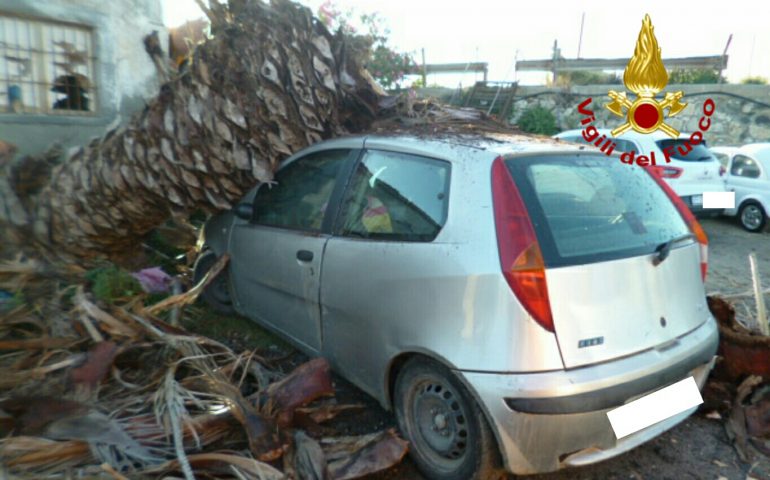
271, 81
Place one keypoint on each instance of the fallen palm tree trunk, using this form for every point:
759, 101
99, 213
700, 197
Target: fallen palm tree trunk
270, 81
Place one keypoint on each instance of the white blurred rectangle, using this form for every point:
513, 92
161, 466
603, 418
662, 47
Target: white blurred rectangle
655, 407
718, 199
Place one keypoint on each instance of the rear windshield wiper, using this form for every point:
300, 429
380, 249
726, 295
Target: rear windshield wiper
664, 248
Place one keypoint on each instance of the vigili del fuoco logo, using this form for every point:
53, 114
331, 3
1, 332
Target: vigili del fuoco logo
645, 76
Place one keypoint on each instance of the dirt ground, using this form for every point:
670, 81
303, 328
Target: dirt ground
729, 273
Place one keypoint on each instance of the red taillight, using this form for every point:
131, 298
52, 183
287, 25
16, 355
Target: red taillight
689, 219
667, 172
722, 170
520, 256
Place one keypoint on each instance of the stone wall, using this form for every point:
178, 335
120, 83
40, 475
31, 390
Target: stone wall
742, 111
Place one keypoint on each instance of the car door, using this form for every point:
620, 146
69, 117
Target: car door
277, 255
382, 268
744, 177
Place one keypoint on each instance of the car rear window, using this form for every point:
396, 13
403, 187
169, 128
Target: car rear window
699, 152
587, 208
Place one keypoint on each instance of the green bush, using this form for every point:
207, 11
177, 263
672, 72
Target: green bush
110, 283
538, 119
754, 81
699, 75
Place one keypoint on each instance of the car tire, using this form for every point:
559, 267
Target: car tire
217, 294
449, 437
752, 217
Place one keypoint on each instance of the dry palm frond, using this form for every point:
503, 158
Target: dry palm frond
109, 323
325, 412
170, 411
191, 295
259, 430
250, 364
108, 440
354, 457
42, 343
34, 455
309, 459
16, 273
761, 318
16, 378
228, 462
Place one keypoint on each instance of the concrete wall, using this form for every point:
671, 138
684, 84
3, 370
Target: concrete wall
124, 73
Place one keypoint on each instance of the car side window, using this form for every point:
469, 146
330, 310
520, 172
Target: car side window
300, 195
396, 196
744, 166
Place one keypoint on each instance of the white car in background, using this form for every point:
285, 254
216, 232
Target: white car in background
688, 175
748, 175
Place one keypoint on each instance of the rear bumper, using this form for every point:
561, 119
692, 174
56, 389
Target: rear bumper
565, 422
699, 211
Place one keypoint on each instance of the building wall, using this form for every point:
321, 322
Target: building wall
124, 73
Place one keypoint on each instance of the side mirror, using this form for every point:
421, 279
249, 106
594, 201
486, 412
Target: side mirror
244, 211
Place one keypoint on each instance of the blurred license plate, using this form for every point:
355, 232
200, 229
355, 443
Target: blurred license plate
697, 200
655, 407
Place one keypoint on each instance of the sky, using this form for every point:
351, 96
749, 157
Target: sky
499, 31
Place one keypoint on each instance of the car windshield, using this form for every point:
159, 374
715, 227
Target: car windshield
699, 152
588, 209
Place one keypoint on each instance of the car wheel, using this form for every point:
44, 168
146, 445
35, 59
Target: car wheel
449, 438
752, 217
217, 293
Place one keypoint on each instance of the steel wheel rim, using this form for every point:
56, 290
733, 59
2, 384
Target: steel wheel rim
751, 217
440, 421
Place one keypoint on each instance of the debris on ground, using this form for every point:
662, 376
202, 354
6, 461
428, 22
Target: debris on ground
744, 352
111, 390
746, 359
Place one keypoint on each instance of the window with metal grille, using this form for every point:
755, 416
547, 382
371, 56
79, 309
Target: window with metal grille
46, 67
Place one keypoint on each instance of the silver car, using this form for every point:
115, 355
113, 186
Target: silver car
501, 296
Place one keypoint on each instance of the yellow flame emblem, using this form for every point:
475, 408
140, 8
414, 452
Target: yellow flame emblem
645, 75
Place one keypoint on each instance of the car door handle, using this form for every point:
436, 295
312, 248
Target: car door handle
304, 255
